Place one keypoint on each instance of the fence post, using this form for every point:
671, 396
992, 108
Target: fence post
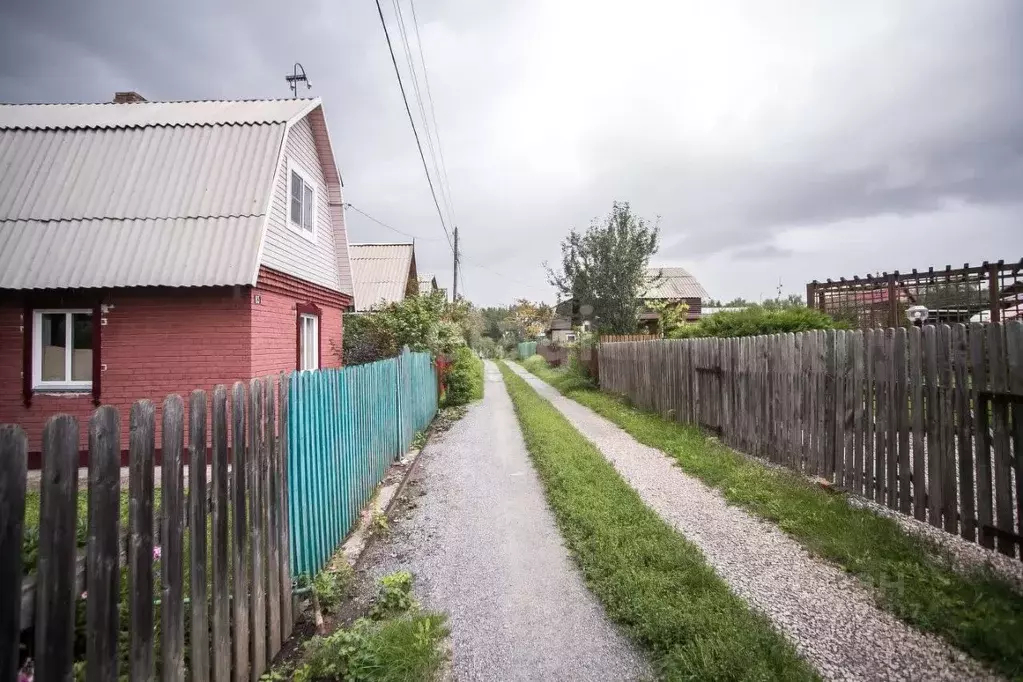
55, 586
221, 551
172, 652
996, 311
141, 443
285, 496
103, 577
240, 535
13, 467
199, 643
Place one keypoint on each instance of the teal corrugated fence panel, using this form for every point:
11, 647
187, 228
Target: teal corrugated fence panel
527, 349
345, 428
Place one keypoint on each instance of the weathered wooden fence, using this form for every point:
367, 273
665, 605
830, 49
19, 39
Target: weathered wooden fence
928, 422
346, 427
622, 338
220, 570
195, 581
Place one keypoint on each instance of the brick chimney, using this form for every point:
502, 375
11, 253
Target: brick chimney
128, 97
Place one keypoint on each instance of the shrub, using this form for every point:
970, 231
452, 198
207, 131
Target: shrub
464, 378
755, 321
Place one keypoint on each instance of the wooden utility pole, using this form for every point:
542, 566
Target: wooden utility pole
454, 285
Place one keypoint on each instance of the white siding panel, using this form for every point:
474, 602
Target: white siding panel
284, 250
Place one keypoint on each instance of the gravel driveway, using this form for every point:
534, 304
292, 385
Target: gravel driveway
485, 550
828, 615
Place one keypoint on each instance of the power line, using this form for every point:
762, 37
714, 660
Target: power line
392, 229
433, 112
408, 110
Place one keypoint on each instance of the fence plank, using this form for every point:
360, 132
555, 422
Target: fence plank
103, 575
859, 426
220, 548
871, 337
287, 619
882, 385
172, 649
916, 382
55, 584
891, 422
932, 419
964, 438
839, 399
272, 486
1000, 436
900, 399
257, 516
1014, 348
199, 632
950, 506
982, 433
240, 559
13, 472
141, 444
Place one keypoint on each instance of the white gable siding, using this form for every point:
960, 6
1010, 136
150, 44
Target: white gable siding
285, 250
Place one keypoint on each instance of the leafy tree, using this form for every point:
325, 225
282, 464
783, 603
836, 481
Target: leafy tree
527, 320
670, 316
605, 267
492, 319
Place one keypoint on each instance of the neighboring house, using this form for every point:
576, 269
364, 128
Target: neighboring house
383, 274
561, 331
675, 286
149, 248
427, 284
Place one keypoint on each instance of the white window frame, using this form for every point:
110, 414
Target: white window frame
306, 342
307, 179
37, 350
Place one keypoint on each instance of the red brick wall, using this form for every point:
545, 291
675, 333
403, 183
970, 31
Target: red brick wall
162, 341
275, 319
155, 342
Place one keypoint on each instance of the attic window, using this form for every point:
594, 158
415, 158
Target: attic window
302, 216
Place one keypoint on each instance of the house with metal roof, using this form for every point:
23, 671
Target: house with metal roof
383, 274
428, 284
670, 285
156, 247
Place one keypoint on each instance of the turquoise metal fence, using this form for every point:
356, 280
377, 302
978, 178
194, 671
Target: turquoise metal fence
345, 427
527, 349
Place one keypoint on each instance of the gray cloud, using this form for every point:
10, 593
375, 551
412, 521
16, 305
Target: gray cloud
770, 133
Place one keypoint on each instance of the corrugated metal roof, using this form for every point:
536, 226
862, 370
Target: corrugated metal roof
156, 172
68, 116
147, 194
380, 273
671, 283
427, 284
111, 253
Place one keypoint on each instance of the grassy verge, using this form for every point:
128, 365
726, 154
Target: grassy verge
652, 582
912, 577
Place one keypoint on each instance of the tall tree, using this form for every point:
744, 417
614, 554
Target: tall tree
604, 268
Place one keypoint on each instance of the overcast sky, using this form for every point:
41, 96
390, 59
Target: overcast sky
777, 141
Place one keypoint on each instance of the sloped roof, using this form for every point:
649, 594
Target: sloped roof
672, 283
380, 273
427, 284
140, 194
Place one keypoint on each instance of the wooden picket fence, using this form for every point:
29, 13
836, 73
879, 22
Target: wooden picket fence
239, 594
928, 422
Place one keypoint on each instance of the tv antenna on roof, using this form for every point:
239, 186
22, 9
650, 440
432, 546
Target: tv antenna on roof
295, 77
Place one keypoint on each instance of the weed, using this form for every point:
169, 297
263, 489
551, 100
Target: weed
379, 526
394, 595
419, 440
331, 585
651, 580
912, 578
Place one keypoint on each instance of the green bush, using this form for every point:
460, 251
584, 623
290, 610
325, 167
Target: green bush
464, 378
755, 321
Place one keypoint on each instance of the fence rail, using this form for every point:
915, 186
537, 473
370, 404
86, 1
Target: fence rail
925, 421
195, 581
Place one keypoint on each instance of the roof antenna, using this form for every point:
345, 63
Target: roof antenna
295, 77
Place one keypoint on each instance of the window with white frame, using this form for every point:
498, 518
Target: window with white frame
62, 349
309, 326
302, 216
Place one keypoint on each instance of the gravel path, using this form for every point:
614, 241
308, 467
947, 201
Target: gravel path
829, 616
485, 549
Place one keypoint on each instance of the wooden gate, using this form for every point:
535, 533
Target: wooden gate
709, 393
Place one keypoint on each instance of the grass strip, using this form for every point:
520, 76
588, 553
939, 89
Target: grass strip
913, 577
651, 580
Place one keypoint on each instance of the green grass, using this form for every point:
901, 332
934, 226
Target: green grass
912, 577
652, 581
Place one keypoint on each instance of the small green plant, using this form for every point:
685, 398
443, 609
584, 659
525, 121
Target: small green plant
394, 595
332, 584
419, 441
379, 526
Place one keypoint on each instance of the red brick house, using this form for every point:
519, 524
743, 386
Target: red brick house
156, 247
